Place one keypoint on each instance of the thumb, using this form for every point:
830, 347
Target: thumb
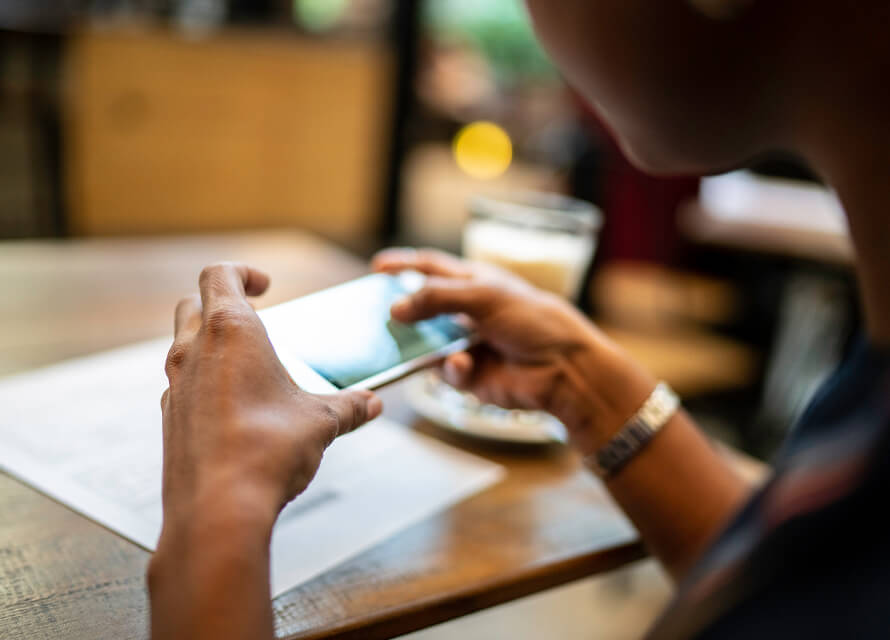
354, 408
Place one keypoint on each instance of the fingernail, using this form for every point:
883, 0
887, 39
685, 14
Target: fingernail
375, 407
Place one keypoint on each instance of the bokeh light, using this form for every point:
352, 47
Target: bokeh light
319, 15
483, 150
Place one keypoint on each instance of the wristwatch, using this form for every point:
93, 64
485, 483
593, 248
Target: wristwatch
637, 432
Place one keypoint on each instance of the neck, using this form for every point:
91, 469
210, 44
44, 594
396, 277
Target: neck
858, 167
841, 126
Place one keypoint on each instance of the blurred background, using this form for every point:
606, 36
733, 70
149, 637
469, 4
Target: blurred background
372, 122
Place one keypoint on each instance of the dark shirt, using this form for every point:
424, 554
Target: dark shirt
808, 556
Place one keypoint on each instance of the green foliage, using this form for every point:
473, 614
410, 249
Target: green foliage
319, 15
499, 29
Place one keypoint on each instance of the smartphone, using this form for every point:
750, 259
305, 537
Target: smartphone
345, 338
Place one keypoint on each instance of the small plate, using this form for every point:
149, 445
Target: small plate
441, 403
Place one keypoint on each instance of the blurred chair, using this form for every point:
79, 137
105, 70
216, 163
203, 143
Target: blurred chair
665, 319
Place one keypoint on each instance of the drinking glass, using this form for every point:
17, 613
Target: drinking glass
548, 239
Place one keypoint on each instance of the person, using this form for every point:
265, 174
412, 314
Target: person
687, 86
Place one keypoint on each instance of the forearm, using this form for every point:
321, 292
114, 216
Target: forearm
678, 491
210, 575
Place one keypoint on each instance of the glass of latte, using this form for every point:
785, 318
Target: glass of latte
547, 239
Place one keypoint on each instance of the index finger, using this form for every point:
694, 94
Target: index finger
432, 262
230, 283
446, 295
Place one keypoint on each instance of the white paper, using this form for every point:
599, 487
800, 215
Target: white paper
88, 433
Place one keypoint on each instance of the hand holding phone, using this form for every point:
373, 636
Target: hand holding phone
345, 337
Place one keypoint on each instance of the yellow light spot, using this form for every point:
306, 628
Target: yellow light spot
483, 150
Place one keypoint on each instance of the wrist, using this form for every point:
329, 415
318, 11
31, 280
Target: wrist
602, 388
236, 515
213, 559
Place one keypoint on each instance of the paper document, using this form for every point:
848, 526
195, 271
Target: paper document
88, 433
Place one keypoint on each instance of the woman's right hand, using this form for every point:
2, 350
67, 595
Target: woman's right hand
537, 351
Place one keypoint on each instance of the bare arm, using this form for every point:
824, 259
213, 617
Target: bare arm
678, 491
210, 576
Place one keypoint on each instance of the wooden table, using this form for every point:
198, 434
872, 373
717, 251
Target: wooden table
62, 576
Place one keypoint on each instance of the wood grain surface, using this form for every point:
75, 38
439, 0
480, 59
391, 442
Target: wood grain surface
62, 576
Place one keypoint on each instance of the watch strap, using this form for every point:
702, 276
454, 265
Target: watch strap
636, 433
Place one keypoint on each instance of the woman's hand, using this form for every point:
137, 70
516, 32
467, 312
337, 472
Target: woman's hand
233, 418
537, 351
240, 441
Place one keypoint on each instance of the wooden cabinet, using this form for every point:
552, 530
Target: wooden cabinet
235, 130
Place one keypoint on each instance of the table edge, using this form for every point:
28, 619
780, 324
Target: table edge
420, 614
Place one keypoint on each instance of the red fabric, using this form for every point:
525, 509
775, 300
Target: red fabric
641, 213
640, 210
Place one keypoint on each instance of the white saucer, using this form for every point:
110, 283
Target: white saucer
463, 413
